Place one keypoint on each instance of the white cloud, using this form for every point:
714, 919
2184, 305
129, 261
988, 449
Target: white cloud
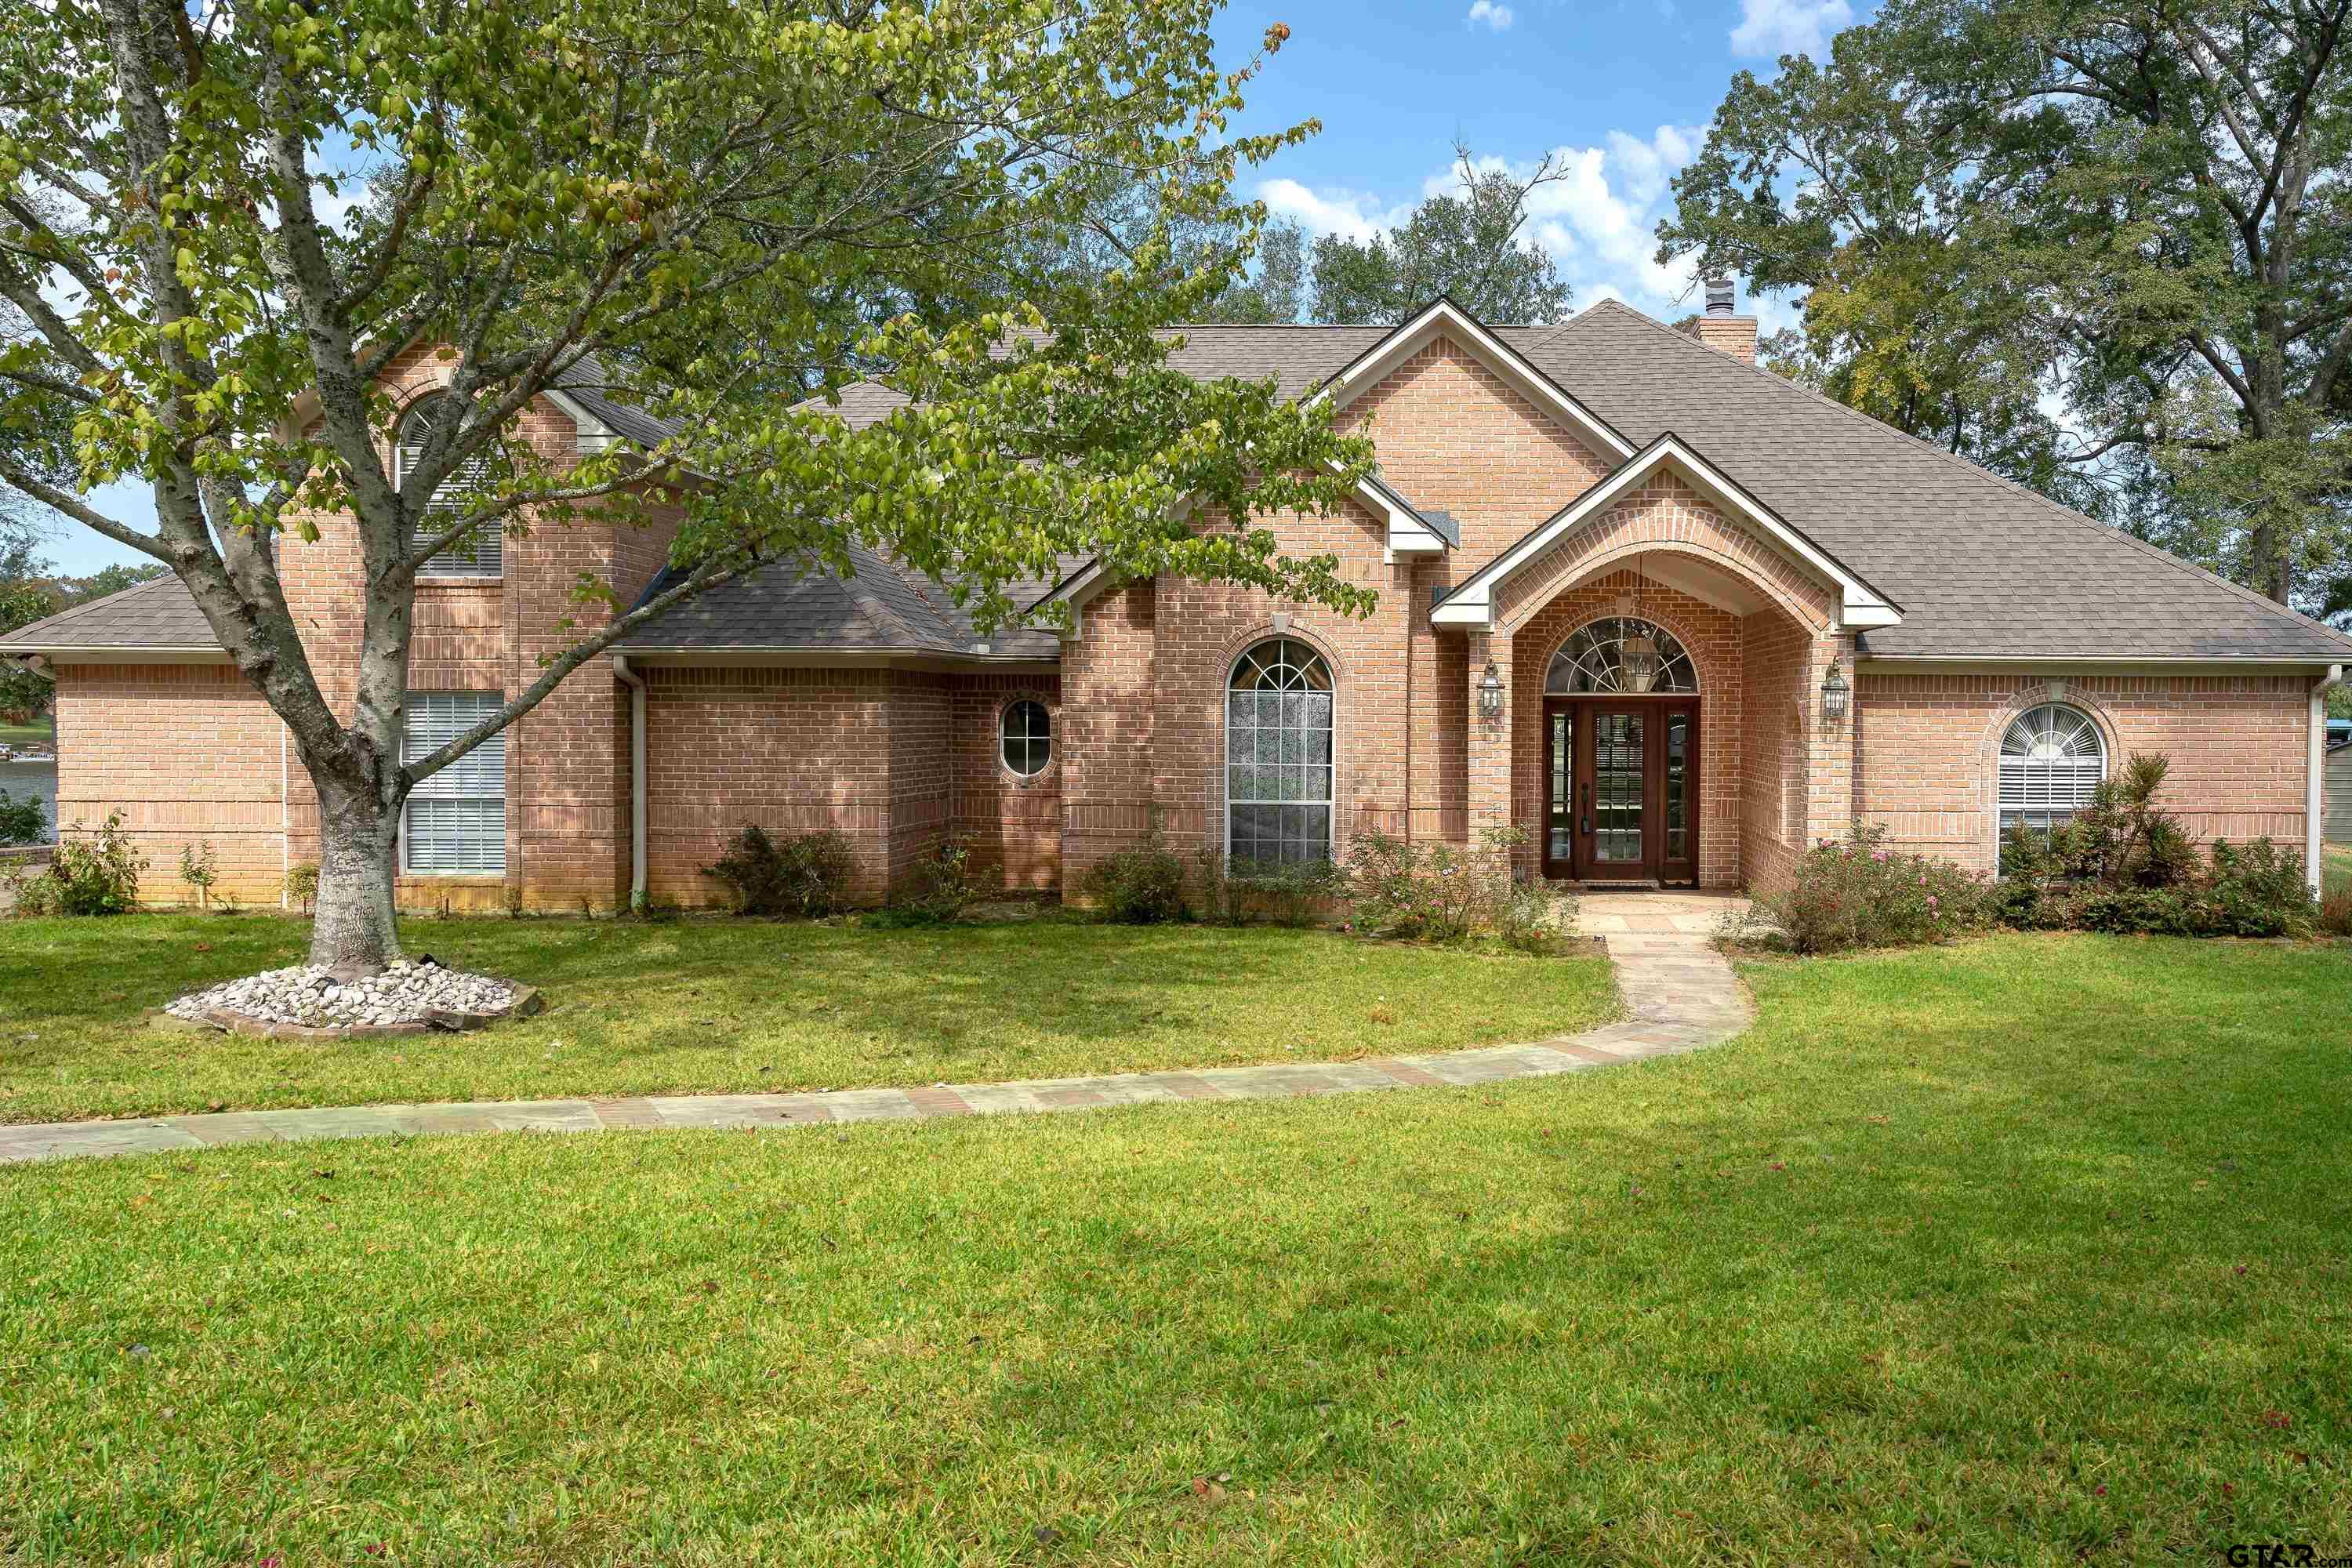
1351, 214
1498, 17
1774, 27
1599, 220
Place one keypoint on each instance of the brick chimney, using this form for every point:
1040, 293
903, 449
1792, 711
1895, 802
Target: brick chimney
1720, 328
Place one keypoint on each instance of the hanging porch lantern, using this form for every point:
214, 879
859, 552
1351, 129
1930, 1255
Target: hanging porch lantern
1638, 657
1833, 693
1490, 693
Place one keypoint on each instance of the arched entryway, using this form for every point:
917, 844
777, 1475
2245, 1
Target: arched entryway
1621, 731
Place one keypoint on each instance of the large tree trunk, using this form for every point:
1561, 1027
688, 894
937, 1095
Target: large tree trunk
359, 835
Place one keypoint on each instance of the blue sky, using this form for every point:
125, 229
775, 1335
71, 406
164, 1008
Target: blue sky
1620, 90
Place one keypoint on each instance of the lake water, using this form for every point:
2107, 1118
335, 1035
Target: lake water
37, 779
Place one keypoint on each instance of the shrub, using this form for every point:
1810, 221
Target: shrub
939, 887
2335, 916
97, 874
302, 886
2256, 889
23, 821
198, 870
1139, 886
1856, 893
1439, 892
804, 874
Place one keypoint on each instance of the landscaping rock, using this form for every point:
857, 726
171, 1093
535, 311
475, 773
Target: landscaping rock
403, 999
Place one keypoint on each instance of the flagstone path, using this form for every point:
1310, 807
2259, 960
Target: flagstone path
1680, 995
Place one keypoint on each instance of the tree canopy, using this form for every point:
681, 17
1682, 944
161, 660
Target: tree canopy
1470, 244
220, 224
2103, 247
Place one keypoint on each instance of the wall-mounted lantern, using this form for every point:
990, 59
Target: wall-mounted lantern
1490, 693
1833, 693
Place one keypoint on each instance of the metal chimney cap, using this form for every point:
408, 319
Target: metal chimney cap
1719, 297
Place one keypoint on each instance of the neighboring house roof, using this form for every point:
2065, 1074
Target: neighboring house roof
148, 619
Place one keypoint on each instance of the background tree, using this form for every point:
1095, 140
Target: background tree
1468, 244
2134, 213
1277, 292
703, 210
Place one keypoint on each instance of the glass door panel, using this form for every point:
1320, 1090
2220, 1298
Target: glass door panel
1677, 782
1559, 790
1618, 788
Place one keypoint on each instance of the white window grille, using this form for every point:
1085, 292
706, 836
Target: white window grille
455, 823
2052, 759
481, 554
1278, 756
1028, 737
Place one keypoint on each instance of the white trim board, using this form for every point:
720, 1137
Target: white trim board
1443, 317
1861, 606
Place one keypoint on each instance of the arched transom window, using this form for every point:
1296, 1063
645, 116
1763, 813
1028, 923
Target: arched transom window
1278, 756
2052, 757
1620, 655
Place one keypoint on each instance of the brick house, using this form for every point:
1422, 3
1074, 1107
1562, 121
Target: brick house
1674, 614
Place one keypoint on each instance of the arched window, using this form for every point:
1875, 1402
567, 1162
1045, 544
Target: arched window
1278, 756
1620, 655
1028, 737
481, 555
2052, 757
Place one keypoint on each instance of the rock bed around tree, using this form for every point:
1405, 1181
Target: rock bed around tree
408, 997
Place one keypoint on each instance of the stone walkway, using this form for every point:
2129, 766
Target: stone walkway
1680, 995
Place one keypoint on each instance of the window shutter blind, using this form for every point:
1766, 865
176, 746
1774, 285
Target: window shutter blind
456, 818
483, 553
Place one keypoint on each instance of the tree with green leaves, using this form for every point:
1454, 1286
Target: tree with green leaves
1470, 244
705, 211
2103, 246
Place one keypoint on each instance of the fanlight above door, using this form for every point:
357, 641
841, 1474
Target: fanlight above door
1623, 655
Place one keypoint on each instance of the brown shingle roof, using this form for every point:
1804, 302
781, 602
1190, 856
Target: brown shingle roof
1983, 568
156, 616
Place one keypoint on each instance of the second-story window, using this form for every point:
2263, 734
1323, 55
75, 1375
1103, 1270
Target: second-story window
482, 553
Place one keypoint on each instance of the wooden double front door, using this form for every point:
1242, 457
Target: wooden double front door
1620, 788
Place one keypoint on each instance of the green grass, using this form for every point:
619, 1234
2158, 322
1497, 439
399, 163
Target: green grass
2336, 867
39, 733
709, 1006
2028, 1252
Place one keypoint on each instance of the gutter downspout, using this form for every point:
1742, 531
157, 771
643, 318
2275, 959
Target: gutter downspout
2314, 781
636, 685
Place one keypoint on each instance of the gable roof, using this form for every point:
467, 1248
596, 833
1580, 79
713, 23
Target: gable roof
1983, 568
1471, 602
1442, 317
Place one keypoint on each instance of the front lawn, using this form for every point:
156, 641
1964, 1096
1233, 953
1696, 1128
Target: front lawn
2028, 1252
2336, 867
706, 1005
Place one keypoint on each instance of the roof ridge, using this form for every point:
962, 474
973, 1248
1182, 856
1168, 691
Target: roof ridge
1979, 471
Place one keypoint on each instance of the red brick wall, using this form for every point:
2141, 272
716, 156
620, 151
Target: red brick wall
1774, 807
1015, 823
188, 755
1927, 748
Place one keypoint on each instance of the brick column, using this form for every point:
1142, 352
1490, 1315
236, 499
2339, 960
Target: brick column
1489, 749
1830, 802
